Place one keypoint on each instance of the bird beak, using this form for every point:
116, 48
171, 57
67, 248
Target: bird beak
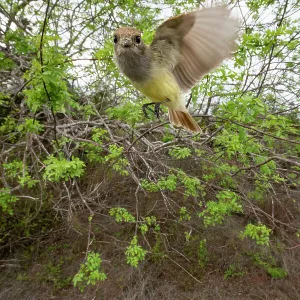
126, 43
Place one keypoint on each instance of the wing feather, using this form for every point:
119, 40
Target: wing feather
203, 38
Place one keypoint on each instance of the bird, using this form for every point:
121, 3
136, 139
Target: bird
184, 49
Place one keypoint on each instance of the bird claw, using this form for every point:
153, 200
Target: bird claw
145, 107
157, 108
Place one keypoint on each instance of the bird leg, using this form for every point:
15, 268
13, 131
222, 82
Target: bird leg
145, 107
156, 107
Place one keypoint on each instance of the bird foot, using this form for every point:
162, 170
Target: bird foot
157, 108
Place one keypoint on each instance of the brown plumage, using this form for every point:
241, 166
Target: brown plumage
184, 119
206, 37
184, 49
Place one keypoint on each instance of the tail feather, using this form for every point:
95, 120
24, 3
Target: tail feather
183, 119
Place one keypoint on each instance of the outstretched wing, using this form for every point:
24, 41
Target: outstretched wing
196, 43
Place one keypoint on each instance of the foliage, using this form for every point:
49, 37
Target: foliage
135, 253
121, 215
184, 215
202, 253
168, 183
119, 164
233, 272
52, 272
148, 223
50, 74
127, 112
6, 200
17, 170
90, 272
62, 169
149, 186
260, 233
30, 126
269, 266
171, 182
158, 254
215, 212
180, 153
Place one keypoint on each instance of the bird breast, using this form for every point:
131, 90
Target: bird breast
161, 85
136, 66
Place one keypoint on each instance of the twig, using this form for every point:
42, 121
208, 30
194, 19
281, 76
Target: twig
43, 33
189, 101
176, 263
291, 248
272, 51
286, 110
136, 208
276, 157
253, 167
83, 200
13, 19
20, 89
212, 135
287, 160
79, 59
80, 123
250, 128
42, 70
150, 129
89, 242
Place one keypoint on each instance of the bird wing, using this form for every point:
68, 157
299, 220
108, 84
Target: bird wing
196, 43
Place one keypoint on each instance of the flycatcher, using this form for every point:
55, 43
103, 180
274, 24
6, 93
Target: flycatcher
184, 49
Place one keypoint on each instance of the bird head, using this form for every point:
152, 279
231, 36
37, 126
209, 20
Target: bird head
128, 40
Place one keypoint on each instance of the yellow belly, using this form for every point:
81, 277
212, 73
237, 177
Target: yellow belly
159, 87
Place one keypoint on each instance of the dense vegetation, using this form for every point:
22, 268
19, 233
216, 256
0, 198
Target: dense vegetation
97, 200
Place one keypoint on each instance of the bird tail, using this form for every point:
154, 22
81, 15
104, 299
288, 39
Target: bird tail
184, 119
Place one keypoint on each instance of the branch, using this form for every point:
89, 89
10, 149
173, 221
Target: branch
262, 132
276, 157
272, 51
12, 18
189, 101
43, 33
253, 167
287, 160
286, 110
250, 128
42, 69
176, 263
147, 131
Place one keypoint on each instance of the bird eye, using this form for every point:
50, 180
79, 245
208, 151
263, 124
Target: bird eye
138, 39
115, 39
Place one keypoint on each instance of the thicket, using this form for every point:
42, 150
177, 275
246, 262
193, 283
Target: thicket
78, 153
